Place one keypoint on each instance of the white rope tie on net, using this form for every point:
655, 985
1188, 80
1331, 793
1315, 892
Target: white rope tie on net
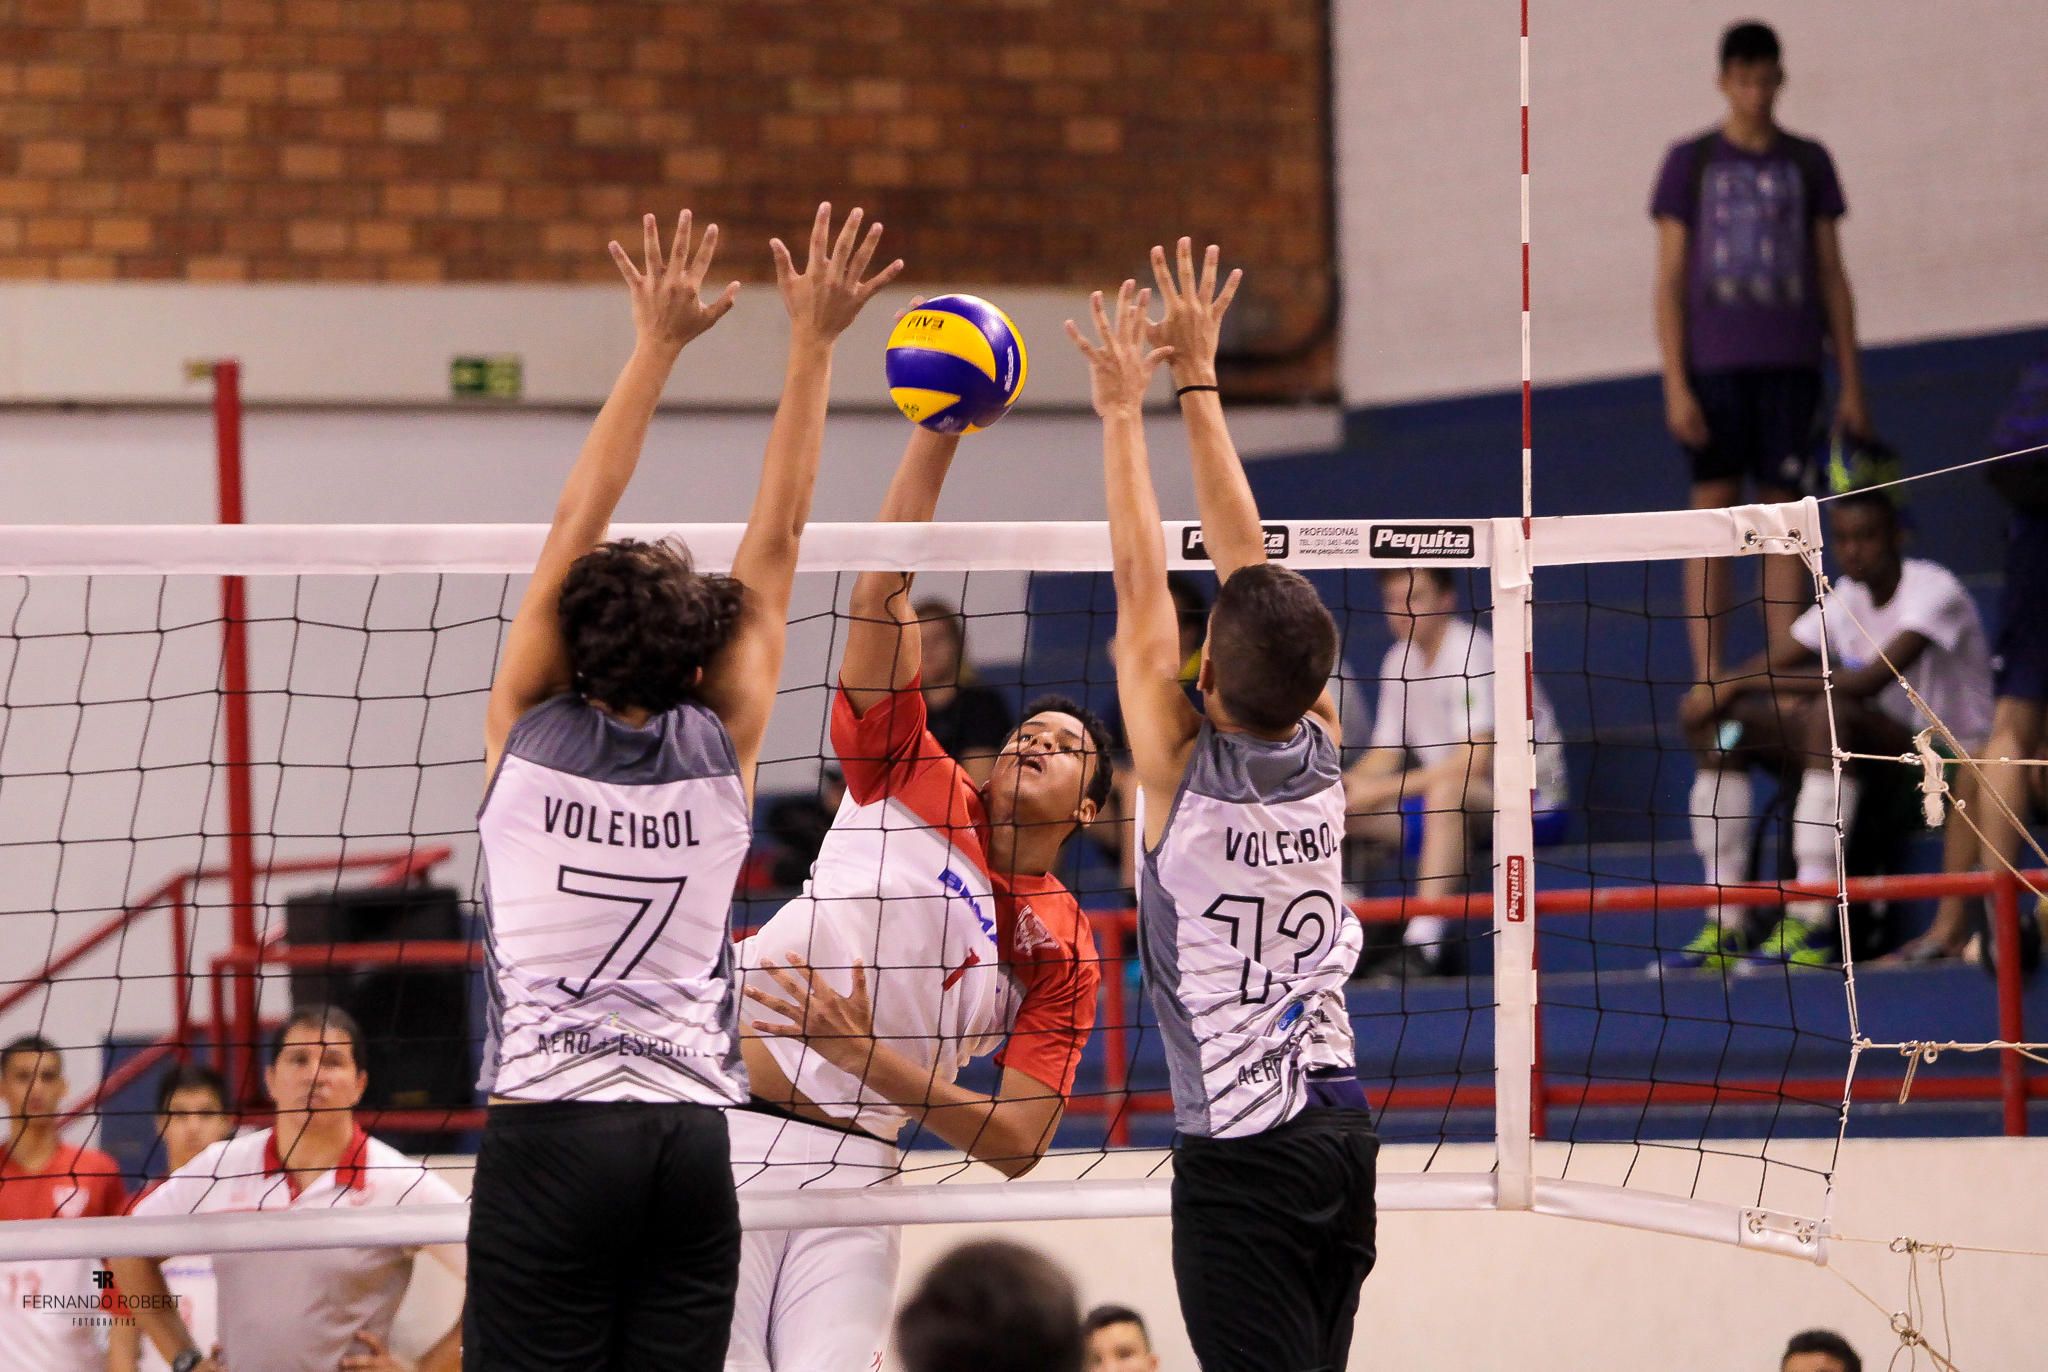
1917, 1051
1907, 1323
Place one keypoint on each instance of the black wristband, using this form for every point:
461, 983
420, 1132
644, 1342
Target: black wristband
1183, 390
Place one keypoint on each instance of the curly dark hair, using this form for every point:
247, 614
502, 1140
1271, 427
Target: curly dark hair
639, 620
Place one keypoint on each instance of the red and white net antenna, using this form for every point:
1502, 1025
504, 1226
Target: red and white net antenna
1527, 493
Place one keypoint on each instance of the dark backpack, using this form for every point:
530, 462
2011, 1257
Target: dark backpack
2023, 481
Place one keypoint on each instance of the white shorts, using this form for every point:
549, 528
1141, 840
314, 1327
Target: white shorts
810, 1300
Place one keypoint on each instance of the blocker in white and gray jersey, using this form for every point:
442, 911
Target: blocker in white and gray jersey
1246, 939
610, 854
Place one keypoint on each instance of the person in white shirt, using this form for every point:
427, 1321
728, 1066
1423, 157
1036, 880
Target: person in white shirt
298, 1310
1890, 617
191, 1116
1432, 745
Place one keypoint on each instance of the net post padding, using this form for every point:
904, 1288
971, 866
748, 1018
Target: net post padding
1514, 846
1767, 1231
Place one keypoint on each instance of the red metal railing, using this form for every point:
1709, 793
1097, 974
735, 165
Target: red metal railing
2013, 1088
1114, 935
394, 867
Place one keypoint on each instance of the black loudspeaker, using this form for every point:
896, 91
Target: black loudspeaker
415, 1021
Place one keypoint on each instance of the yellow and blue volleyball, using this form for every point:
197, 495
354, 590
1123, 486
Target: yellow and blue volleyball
955, 364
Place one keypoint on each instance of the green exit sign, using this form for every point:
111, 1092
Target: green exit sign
495, 376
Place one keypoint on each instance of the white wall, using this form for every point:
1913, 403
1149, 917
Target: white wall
1482, 1292
90, 833
1933, 112
129, 341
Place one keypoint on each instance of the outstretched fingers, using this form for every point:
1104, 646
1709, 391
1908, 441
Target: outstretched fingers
650, 235
717, 308
821, 235
679, 246
842, 248
699, 263
1168, 296
1229, 289
865, 253
623, 260
785, 269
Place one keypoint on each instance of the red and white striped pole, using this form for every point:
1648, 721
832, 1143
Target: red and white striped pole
1538, 1124
1527, 488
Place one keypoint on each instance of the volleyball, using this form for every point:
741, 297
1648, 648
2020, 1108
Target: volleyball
955, 364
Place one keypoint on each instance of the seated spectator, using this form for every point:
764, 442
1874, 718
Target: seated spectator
2020, 659
1887, 612
991, 1307
192, 1115
1819, 1350
971, 721
298, 1310
1117, 1340
44, 1178
1432, 746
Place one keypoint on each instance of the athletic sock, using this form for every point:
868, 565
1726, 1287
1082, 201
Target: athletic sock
1425, 931
1815, 819
1723, 810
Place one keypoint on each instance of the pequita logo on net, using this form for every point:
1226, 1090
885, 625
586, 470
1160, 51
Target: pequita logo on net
1449, 542
1192, 549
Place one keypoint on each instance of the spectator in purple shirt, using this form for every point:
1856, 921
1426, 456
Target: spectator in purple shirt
1749, 286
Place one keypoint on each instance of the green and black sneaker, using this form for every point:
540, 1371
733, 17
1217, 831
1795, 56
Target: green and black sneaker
1711, 950
1794, 942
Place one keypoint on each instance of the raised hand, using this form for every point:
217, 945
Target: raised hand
667, 306
841, 1029
1194, 312
1121, 363
826, 295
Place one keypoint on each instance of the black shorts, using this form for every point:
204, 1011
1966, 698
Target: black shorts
1272, 1237
602, 1235
1763, 423
2020, 657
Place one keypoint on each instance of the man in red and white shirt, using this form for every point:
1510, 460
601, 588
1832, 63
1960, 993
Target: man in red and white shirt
298, 1310
51, 1316
932, 932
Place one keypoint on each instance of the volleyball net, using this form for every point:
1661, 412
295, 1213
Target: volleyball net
242, 766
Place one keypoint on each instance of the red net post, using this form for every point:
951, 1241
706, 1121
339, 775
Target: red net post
2012, 1074
242, 1028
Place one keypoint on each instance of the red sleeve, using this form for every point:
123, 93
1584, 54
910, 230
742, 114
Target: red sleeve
1053, 1023
884, 749
109, 1196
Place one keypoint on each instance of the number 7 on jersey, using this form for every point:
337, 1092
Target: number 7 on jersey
644, 893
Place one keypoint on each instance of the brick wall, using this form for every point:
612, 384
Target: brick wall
1019, 141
